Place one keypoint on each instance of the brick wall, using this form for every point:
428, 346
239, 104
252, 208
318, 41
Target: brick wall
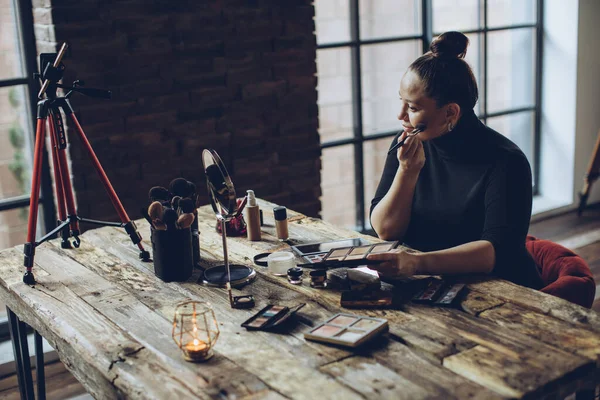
234, 75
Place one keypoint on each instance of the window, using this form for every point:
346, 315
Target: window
364, 47
17, 106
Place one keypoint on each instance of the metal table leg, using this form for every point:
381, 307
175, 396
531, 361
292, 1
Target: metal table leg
18, 335
39, 366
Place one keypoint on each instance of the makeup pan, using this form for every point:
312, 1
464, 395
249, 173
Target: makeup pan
347, 330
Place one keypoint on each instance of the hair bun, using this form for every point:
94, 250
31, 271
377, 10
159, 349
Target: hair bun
450, 45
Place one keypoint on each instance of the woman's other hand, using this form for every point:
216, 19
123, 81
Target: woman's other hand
396, 263
411, 155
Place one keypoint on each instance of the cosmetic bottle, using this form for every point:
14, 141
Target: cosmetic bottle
252, 217
281, 223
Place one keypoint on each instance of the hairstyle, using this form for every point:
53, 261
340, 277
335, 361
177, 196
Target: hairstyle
444, 72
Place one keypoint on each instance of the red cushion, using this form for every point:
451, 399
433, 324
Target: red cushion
565, 274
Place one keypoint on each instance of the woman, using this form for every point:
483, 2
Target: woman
458, 191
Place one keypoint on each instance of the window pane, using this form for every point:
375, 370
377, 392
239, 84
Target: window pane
338, 186
474, 59
388, 18
457, 15
335, 94
15, 142
511, 69
382, 68
13, 226
375, 152
10, 52
332, 21
510, 12
519, 128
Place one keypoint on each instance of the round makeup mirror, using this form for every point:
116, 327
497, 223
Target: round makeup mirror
224, 203
220, 187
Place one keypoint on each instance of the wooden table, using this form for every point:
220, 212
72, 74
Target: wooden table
110, 320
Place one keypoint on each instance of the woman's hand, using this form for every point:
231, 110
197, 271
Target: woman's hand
411, 155
396, 263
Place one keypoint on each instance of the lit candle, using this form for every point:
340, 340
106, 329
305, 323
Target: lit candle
197, 349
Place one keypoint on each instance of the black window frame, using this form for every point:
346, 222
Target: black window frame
358, 138
26, 36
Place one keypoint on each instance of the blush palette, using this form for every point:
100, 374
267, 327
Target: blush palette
347, 330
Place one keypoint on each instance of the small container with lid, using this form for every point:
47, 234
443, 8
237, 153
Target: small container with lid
295, 275
279, 262
281, 223
318, 278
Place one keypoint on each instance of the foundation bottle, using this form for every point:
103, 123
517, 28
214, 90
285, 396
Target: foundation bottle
281, 223
252, 217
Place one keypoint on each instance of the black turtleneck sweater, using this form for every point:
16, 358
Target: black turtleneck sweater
475, 185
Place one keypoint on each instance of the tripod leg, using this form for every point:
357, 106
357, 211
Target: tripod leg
130, 227
65, 179
590, 177
29, 249
60, 196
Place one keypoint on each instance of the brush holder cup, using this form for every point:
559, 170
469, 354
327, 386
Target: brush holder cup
173, 254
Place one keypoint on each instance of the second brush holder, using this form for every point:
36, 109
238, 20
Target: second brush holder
173, 254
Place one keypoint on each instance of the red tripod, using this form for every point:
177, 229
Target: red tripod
48, 110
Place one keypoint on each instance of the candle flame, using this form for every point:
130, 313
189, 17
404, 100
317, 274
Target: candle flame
196, 342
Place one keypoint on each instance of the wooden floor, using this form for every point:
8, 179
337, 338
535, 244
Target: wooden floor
581, 234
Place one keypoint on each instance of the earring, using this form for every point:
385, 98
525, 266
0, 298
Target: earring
450, 127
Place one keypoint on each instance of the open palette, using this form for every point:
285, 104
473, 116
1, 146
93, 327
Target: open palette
347, 330
351, 256
271, 317
314, 252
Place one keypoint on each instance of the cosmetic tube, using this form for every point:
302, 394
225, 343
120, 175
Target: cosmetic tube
252, 217
281, 223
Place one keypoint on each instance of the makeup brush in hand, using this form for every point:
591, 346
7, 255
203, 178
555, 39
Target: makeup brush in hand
419, 128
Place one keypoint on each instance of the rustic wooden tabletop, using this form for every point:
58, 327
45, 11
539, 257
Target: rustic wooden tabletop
110, 320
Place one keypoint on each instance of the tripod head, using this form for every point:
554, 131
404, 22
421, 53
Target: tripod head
52, 72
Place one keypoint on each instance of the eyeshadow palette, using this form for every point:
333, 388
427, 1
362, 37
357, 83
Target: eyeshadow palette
350, 256
270, 317
439, 293
347, 330
450, 295
363, 299
315, 249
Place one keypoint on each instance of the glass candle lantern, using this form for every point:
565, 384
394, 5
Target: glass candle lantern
195, 330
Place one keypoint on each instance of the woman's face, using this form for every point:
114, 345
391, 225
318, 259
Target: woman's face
418, 108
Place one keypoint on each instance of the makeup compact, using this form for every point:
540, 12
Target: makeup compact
351, 256
347, 330
271, 317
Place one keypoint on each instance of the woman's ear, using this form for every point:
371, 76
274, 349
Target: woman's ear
452, 113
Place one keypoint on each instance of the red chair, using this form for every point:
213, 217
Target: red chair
565, 274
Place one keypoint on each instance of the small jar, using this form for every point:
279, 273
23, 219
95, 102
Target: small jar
295, 275
279, 262
318, 278
281, 223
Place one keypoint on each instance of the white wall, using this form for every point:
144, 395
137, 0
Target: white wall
570, 102
588, 92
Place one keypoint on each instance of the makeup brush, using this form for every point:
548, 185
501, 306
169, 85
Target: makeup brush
185, 220
175, 203
186, 205
159, 193
155, 210
180, 187
170, 218
419, 128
